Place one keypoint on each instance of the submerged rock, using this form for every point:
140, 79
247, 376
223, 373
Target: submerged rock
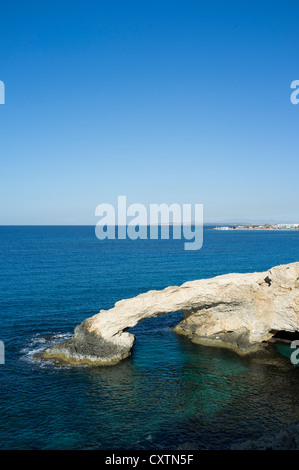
286, 438
239, 311
188, 446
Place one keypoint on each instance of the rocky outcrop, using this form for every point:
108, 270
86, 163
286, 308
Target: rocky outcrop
239, 311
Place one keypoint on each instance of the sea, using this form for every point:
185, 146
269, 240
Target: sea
170, 391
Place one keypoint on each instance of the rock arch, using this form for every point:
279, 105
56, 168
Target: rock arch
239, 311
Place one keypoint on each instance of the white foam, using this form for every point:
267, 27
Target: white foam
39, 343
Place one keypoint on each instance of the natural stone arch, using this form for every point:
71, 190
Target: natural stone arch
239, 311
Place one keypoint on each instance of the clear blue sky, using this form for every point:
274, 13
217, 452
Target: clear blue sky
162, 101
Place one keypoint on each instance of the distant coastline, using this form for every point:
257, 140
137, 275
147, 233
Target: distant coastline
260, 227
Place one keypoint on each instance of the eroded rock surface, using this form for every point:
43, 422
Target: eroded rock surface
239, 311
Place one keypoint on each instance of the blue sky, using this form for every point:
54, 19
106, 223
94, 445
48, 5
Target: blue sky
161, 101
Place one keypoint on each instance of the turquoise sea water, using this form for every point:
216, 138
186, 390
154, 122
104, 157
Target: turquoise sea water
170, 391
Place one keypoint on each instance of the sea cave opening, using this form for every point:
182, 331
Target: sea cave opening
285, 335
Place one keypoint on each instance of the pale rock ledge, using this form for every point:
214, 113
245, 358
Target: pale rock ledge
238, 311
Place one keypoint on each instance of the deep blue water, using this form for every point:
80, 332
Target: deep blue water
170, 390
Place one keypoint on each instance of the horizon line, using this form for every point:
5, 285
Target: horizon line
152, 225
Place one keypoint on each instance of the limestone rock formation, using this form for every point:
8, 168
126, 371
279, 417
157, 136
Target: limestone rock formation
239, 311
